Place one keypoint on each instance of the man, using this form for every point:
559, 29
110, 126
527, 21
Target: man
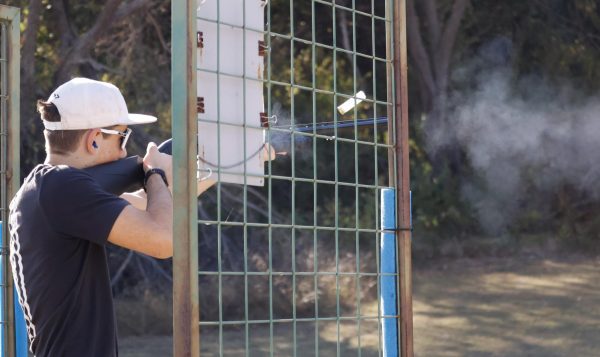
61, 220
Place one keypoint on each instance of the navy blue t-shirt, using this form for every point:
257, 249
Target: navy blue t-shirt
59, 225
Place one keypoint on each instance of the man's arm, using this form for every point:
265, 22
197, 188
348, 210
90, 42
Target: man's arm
139, 198
148, 231
147, 225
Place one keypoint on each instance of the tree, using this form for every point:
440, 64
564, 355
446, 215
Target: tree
432, 29
64, 39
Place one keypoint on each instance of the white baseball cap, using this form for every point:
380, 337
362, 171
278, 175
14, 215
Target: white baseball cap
87, 104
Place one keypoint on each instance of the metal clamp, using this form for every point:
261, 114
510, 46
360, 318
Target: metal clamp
200, 105
210, 172
200, 39
397, 229
262, 48
266, 121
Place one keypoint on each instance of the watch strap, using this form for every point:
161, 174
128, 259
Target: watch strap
153, 171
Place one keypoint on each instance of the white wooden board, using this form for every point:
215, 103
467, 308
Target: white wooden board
230, 72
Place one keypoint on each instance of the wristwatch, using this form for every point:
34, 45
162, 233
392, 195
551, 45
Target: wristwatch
152, 172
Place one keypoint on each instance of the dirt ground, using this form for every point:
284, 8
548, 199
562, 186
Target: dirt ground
508, 307
484, 307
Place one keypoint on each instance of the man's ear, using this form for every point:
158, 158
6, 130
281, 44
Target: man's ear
91, 141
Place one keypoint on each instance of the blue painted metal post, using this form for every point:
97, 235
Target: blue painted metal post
20, 331
388, 298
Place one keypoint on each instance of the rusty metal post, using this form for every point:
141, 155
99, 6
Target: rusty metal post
11, 16
186, 334
399, 168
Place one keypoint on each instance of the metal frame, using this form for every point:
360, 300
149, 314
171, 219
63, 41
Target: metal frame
402, 177
10, 152
186, 337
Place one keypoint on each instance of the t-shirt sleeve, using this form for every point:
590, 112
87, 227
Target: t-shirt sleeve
76, 206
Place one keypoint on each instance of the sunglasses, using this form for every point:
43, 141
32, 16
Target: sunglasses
124, 135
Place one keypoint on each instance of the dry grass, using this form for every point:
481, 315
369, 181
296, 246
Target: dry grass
483, 307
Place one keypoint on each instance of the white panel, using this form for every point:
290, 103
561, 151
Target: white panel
232, 111
232, 53
233, 96
207, 56
231, 12
231, 162
231, 99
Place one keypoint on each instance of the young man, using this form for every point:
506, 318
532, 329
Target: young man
61, 220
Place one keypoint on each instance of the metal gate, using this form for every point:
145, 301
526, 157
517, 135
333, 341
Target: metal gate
290, 260
9, 162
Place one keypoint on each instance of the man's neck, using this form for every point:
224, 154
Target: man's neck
73, 160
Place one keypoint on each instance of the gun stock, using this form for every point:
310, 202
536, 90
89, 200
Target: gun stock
124, 175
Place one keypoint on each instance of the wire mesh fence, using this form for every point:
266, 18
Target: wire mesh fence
289, 260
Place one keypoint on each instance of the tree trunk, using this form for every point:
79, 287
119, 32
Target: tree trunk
431, 39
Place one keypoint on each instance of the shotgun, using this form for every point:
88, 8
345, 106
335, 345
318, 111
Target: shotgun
124, 175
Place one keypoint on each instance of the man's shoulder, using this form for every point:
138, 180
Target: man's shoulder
60, 175
47, 185
54, 172
37, 178
50, 180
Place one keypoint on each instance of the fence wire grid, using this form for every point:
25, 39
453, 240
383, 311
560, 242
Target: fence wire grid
290, 264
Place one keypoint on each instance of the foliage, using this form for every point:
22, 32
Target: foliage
555, 39
125, 42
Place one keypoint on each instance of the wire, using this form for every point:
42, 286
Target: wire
334, 124
233, 165
207, 176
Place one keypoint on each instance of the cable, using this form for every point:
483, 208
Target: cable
233, 165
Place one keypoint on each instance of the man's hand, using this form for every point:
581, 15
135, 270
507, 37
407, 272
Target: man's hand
156, 159
267, 153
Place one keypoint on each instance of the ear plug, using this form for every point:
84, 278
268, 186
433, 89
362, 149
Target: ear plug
94, 145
